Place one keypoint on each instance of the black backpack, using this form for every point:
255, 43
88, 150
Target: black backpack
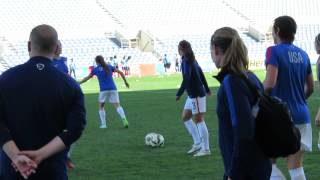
275, 132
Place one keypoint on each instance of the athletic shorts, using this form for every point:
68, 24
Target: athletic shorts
306, 136
196, 105
112, 95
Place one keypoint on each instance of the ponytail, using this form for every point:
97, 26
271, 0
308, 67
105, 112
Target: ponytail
186, 48
100, 61
236, 57
235, 52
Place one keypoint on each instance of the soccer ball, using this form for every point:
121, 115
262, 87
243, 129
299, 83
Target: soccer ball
154, 140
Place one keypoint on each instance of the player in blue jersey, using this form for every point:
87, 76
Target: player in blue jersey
60, 62
197, 88
289, 77
108, 89
72, 68
242, 157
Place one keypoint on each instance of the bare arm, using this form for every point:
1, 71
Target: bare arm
271, 78
86, 79
20, 162
309, 87
11, 149
54, 146
123, 77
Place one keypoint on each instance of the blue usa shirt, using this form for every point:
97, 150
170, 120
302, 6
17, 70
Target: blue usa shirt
293, 68
61, 64
106, 82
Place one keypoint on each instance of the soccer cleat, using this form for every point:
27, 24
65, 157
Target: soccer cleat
125, 123
202, 153
103, 126
195, 148
69, 164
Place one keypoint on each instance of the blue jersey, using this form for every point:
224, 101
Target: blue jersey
61, 64
193, 80
293, 68
105, 80
240, 153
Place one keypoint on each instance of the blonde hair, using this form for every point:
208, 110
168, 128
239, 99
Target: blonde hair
235, 59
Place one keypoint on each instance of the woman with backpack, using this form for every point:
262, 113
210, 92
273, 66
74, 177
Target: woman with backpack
242, 157
289, 77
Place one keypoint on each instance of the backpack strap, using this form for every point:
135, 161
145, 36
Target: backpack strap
254, 89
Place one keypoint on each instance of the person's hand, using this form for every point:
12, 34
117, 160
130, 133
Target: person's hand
127, 84
317, 121
24, 165
177, 98
229, 178
36, 156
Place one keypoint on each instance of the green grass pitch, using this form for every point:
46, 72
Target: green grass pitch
116, 153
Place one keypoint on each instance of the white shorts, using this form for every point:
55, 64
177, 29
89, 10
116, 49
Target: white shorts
112, 96
306, 136
196, 105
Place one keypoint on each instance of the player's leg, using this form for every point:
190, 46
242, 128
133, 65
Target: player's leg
295, 166
295, 161
114, 99
199, 109
102, 112
191, 127
276, 173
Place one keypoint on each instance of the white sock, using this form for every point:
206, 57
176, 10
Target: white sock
276, 174
121, 112
70, 150
102, 114
204, 134
297, 174
193, 131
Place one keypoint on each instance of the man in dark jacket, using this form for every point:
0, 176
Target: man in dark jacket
41, 113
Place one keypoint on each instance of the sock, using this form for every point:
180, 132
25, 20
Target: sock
204, 134
193, 131
70, 150
102, 115
276, 174
121, 112
297, 174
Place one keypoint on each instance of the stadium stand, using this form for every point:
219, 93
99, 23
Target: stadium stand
87, 27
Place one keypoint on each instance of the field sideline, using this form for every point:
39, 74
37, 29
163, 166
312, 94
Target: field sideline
116, 153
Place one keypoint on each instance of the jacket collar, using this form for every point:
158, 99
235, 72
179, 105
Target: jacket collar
40, 59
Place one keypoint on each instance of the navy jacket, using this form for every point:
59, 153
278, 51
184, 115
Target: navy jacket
241, 155
37, 103
194, 80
